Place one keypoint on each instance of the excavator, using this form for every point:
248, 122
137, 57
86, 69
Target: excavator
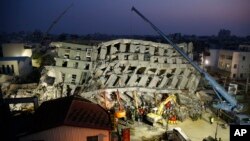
226, 101
157, 117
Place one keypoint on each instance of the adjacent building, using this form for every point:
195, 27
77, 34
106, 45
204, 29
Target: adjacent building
211, 60
16, 60
69, 119
16, 50
16, 66
236, 62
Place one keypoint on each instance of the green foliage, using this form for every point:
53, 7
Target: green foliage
36, 55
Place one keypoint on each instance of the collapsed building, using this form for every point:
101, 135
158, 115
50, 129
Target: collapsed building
144, 73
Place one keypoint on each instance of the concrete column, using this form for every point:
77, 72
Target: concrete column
183, 83
174, 82
122, 47
187, 72
111, 80
164, 81
132, 80
143, 81
153, 82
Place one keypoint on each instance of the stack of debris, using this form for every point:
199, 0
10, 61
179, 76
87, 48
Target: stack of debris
142, 71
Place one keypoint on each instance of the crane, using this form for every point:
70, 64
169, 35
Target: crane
55, 21
227, 102
58, 18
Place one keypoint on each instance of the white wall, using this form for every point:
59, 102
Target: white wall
21, 68
15, 50
243, 65
225, 63
68, 133
213, 58
13, 63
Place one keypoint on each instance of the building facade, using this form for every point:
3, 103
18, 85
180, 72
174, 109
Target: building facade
126, 65
16, 50
16, 66
69, 119
74, 64
211, 61
235, 62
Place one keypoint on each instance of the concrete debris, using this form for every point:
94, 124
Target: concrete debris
150, 69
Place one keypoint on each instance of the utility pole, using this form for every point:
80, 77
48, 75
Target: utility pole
246, 91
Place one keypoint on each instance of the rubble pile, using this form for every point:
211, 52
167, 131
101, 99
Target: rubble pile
142, 71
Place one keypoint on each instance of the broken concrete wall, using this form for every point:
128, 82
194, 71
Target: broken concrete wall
147, 68
131, 65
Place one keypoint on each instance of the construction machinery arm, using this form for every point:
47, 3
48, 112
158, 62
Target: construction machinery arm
231, 103
162, 105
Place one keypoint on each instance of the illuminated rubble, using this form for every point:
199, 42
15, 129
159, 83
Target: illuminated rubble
142, 71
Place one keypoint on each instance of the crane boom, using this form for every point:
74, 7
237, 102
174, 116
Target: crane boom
54, 23
231, 103
58, 18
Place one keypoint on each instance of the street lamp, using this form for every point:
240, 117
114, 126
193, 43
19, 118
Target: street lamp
206, 62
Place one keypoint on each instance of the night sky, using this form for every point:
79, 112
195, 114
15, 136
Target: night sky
199, 17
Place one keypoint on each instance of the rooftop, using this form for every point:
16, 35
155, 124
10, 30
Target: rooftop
71, 111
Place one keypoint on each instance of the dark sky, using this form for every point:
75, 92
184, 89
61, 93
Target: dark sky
200, 17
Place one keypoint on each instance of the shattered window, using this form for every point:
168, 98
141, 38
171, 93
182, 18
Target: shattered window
222, 56
76, 65
65, 63
243, 58
156, 51
141, 70
88, 53
235, 66
127, 47
137, 49
77, 56
73, 79
63, 77
87, 67
66, 56
125, 57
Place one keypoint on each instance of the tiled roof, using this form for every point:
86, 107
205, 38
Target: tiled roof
71, 111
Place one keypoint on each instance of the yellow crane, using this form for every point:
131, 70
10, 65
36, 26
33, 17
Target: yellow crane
156, 117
